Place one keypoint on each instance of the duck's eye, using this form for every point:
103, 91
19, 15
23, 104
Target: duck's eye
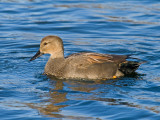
45, 43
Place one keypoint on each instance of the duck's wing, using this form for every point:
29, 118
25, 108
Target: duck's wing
100, 58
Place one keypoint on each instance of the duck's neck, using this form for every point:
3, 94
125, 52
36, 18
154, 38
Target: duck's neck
58, 54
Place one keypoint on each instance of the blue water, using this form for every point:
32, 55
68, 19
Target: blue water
104, 26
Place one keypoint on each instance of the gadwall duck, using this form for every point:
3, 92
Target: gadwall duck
84, 65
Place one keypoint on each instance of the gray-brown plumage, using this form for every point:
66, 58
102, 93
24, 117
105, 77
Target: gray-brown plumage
85, 65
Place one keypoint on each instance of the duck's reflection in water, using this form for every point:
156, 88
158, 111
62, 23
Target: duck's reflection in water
84, 90
57, 96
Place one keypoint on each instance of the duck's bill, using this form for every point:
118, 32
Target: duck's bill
38, 54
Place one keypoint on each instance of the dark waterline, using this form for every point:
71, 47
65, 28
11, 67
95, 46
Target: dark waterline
123, 27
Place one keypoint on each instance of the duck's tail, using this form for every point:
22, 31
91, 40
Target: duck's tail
129, 67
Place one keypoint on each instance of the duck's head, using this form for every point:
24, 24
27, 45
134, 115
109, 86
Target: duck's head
52, 45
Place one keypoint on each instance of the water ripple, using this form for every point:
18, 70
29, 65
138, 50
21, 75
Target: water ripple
124, 27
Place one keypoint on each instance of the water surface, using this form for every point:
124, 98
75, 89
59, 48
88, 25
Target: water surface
123, 27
